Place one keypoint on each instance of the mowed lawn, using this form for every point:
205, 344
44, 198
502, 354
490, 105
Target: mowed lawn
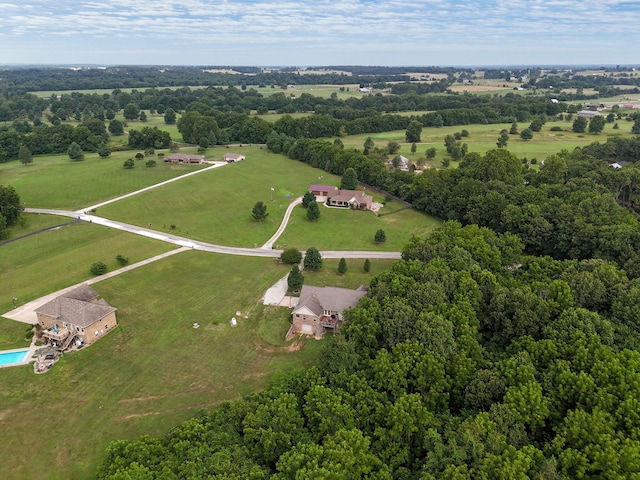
343, 229
54, 181
216, 206
51, 260
355, 275
154, 370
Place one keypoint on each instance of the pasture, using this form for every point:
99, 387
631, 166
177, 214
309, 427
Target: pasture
43, 263
54, 181
154, 370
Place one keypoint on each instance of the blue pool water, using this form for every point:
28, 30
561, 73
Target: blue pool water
9, 358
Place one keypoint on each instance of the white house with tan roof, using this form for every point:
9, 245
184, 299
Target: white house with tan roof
77, 314
233, 157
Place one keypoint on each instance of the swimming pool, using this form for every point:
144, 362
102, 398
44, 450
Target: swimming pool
12, 357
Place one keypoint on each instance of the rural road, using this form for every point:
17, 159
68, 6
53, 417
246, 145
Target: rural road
26, 313
205, 246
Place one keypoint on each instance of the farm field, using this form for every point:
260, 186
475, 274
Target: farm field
154, 369
54, 181
483, 138
341, 229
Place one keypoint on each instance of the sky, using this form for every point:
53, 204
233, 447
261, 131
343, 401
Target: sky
320, 32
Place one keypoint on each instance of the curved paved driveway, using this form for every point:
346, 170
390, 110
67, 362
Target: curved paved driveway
205, 246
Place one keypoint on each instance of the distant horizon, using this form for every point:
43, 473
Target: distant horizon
478, 67
325, 32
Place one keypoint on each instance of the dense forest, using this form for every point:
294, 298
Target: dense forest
467, 360
573, 207
29, 79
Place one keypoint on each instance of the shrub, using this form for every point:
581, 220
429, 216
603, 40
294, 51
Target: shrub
122, 260
313, 259
556, 129
367, 266
150, 163
128, 163
98, 268
291, 255
342, 266
380, 236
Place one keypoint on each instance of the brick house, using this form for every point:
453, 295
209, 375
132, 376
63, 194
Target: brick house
322, 190
77, 314
183, 158
321, 308
350, 199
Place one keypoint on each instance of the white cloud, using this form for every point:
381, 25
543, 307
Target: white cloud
342, 29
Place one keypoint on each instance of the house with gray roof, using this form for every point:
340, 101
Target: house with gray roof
321, 308
76, 315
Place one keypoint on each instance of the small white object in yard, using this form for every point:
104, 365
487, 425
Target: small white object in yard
246, 316
234, 322
238, 313
195, 325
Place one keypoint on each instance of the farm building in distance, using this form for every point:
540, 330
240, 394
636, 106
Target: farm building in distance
183, 158
588, 113
77, 314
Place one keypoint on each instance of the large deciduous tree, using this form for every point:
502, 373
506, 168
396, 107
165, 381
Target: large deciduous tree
596, 124
193, 126
349, 180
414, 131
10, 207
131, 112
579, 125
25, 156
169, 116
75, 152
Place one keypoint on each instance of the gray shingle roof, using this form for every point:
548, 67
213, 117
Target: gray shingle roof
318, 299
72, 308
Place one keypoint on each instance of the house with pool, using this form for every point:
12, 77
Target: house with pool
76, 318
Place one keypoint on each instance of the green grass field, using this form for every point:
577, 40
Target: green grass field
154, 370
40, 264
56, 182
216, 206
341, 229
